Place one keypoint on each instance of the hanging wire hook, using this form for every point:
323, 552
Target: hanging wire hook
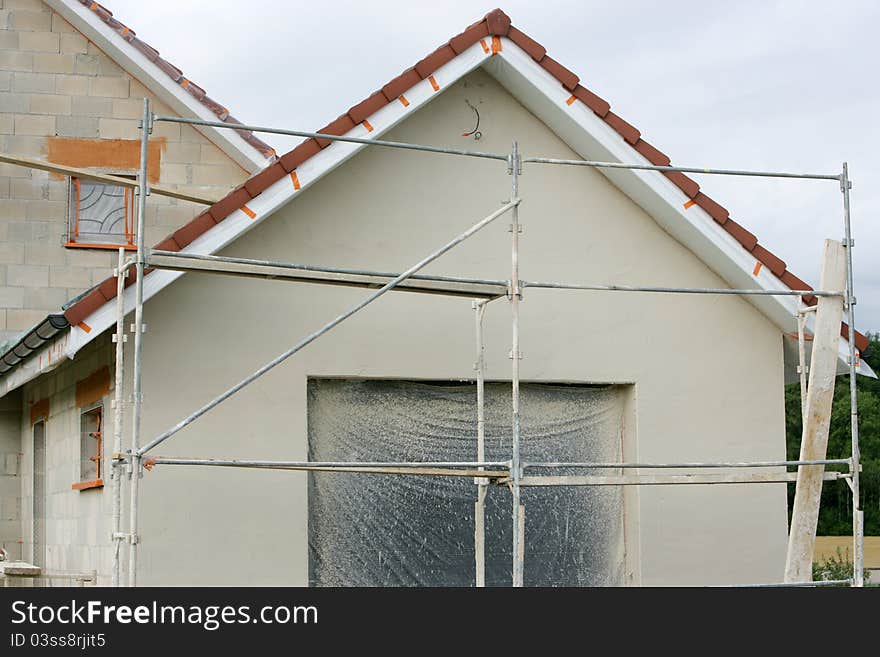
476, 131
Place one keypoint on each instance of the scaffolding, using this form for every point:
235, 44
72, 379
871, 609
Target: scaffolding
512, 473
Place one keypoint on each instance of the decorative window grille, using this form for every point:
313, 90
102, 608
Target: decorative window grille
101, 215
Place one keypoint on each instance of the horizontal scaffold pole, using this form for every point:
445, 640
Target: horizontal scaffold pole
283, 271
669, 480
670, 168
680, 290
492, 156
322, 136
728, 464
424, 262
425, 468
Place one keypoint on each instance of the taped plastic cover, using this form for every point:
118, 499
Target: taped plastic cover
391, 530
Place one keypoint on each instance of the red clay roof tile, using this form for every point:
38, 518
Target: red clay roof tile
568, 79
715, 210
773, 263
149, 51
469, 37
108, 288
496, 23
740, 234
338, 127
534, 49
259, 183
685, 184
189, 232
591, 100
168, 244
435, 60
229, 203
368, 107
624, 129
401, 83
85, 307
651, 154
300, 154
215, 107
793, 282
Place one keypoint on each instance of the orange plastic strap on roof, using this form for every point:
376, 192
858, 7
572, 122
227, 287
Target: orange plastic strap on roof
248, 212
496, 45
570, 100
485, 47
757, 268
433, 83
367, 125
690, 204
403, 100
85, 327
294, 179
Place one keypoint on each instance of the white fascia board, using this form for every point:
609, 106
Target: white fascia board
283, 191
593, 139
178, 99
40, 362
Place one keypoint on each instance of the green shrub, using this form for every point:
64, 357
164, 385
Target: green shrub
836, 567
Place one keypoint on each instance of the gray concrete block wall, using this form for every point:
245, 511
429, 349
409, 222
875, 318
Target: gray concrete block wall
78, 523
10, 475
55, 83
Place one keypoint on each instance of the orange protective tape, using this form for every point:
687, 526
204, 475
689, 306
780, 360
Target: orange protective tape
485, 47
248, 212
496, 45
368, 125
403, 100
184, 83
757, 268
433, 83
85, 327
294, 179
690, 204
570, 100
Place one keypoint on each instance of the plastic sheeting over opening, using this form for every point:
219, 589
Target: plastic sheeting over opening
390, 530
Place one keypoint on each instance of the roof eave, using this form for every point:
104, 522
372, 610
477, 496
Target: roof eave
146, 72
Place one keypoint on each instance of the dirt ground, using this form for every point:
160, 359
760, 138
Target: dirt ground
826, 546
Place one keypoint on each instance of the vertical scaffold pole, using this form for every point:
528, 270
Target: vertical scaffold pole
518, 511
858, 514
138, 328
802, 357
482, 482
118, 418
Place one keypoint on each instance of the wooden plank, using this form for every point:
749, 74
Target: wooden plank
85, 174
326, 277
19, 569
814, 439
666, 480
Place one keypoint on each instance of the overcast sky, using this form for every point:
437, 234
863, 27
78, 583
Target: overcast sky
753, 85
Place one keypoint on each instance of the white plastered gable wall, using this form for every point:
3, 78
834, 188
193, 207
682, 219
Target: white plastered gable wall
576, 124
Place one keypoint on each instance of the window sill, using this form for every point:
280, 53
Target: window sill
114, 247
85, 485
